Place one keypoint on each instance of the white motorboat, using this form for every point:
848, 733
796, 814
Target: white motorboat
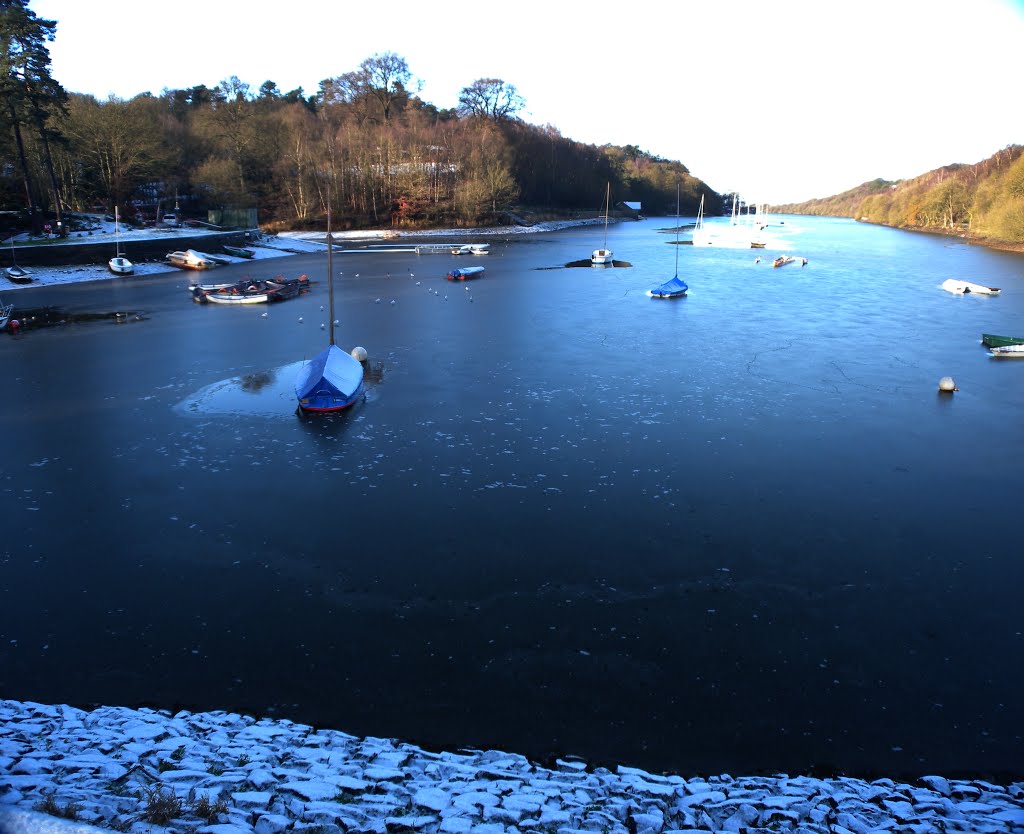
190, 259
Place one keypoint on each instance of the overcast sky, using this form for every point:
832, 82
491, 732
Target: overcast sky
782, 100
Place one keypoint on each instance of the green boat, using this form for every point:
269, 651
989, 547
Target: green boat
989, 340
238, 251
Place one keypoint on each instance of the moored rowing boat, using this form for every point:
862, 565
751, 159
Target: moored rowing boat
991, 340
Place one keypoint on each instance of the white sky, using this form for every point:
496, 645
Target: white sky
783, 100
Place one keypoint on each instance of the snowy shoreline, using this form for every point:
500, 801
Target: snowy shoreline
151, 772
268, 246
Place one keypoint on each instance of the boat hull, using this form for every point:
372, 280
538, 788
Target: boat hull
239, 252
967, 288
331, 381
240, 298
17, 275
121, 266
466, 273
991, 340
673, 288
1014, 351
601, 256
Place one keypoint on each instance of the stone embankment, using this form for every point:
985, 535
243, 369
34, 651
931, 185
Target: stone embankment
68, 771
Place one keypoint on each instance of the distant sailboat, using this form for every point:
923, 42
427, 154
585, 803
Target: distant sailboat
701, 236
674, 287
119, 264
332, 380
604, 254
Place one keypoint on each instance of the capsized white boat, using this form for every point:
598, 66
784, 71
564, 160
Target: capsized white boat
1008, 350
966, 288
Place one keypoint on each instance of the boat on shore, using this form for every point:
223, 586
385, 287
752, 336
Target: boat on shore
958, 287
119, 264
990, 340
191, 259
466, 273
239, 251
17, 275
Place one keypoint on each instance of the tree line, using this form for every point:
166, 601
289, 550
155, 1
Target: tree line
984, 200
364, 145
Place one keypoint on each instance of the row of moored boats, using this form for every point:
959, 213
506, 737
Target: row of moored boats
249, 291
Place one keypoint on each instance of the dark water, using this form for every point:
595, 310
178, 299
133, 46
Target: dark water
739, 531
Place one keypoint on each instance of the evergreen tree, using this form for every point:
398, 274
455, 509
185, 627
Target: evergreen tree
29, 91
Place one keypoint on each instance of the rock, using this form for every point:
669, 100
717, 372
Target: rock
272, 824
937, 784
433, 799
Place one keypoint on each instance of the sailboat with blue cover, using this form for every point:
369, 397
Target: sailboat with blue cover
674, 287
332, 380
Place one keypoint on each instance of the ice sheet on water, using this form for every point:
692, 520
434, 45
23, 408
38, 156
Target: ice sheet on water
264, 394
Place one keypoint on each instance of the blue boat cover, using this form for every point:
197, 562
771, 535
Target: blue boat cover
466, 272
331, 379
673, 287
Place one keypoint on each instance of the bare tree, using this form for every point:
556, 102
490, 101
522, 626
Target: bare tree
491, 98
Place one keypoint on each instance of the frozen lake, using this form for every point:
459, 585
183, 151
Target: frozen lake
737, 531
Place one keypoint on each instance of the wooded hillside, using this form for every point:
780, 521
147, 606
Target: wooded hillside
984, 200
380, 154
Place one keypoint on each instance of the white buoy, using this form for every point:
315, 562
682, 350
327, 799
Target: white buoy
947, 384
300, 319
359, 354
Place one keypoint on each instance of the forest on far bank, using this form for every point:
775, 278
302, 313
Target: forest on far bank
984, 201
364, 143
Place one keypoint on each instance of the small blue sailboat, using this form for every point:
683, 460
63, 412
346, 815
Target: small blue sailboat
675, 287
332, 380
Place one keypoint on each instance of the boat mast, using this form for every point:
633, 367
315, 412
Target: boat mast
330, 266
607, 210
677, 230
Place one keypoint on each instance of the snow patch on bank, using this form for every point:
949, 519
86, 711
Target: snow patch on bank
220, 773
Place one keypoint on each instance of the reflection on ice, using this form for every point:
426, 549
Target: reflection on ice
268, 393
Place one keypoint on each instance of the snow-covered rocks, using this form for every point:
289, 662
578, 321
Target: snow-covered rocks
148, 772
